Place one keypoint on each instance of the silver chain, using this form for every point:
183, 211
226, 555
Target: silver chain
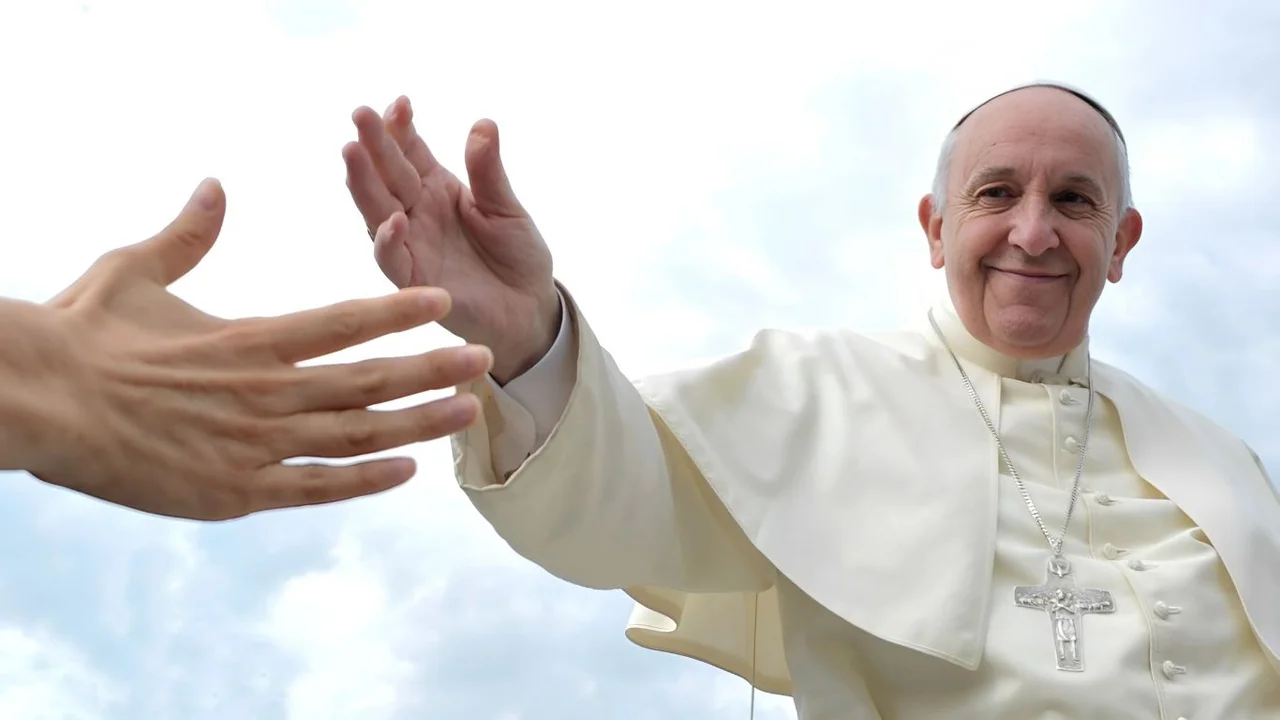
1055, 545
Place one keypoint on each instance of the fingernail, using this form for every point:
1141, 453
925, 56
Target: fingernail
397, 470
206, 195
461, 407
476, 357
433, 297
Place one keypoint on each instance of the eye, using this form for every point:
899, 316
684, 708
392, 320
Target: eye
995, 193
1073, 197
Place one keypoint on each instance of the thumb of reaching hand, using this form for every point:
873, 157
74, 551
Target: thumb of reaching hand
178, 248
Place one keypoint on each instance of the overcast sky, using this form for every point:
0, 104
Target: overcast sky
700, 170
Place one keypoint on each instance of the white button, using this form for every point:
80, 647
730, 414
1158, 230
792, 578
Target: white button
1066, 398
1136, 564
1105, 499
1111, 552
1172, 670
1071, 444
1163, 611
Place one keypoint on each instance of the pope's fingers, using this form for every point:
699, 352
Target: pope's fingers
391, 251
285, 486
368, 190
393, 226
372, 382
397, 172
350, 433
490, 185
312, 333
398, 120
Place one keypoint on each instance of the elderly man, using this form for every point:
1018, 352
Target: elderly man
972, 520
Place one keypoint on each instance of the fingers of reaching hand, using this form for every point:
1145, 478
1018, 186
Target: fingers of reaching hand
312, 333
398, 120
400, 176
286, 486
348, 433
372, 382
174, 251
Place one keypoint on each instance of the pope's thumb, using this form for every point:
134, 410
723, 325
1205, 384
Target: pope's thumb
174, 251
489, 184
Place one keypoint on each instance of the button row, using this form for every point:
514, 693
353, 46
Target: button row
1160, 609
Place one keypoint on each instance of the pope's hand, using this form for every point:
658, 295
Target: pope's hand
166, 409
476, 242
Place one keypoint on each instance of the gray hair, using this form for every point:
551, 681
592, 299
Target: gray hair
949, 144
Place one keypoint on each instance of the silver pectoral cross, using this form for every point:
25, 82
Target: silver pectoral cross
1065, 604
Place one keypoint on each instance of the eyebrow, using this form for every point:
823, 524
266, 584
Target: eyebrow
1006, 172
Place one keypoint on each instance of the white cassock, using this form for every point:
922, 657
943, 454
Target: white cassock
829, 518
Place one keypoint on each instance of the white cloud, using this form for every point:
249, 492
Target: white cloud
700, 169
45, 678
335, 622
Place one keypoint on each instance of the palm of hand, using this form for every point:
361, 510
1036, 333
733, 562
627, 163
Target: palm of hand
486, 262
477, 243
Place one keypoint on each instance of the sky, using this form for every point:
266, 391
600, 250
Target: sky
699, 170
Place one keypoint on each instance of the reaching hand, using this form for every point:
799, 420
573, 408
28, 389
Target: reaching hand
166, 409
476, 243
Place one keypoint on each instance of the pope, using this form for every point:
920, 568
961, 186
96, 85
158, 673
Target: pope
972, 518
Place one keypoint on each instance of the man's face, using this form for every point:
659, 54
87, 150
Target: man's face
1032, 227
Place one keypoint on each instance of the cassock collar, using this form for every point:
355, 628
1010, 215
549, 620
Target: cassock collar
1072, 368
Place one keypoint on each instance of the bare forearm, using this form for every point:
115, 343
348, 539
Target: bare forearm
27, 361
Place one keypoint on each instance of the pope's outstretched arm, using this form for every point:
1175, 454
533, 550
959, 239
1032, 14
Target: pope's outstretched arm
577, 474
566, 461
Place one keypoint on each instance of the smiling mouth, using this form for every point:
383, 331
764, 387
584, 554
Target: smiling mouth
1030, 274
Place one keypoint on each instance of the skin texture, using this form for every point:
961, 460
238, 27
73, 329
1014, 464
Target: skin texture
475, 241
1032, 227
120, 390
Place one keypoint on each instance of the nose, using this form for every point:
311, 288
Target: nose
1033, 229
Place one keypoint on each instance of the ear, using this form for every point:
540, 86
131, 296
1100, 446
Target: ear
931, 223
1127, 235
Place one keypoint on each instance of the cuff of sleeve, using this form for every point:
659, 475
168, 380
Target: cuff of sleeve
544, 390
519, 417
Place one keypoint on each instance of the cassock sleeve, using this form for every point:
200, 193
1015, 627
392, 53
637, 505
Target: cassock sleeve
531, 404
609, 499
1275, 489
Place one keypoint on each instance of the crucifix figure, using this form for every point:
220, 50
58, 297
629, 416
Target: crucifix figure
1059, 597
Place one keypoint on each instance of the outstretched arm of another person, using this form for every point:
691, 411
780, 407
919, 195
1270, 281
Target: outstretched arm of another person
25, 421
120, 390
